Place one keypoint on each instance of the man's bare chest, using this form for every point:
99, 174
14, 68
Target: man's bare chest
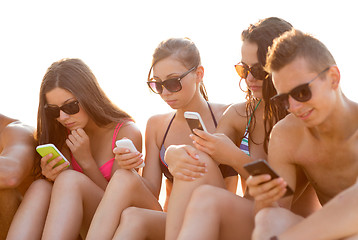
330, 167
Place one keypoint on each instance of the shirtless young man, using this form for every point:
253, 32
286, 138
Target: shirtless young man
319, 137
17, 154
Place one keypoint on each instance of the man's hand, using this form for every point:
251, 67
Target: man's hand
265, 191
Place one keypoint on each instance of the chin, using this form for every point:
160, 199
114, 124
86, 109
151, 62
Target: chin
257, 95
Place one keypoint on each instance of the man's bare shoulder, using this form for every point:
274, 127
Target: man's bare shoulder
5, 121
19, 127
289, 123
289, 130
13, 130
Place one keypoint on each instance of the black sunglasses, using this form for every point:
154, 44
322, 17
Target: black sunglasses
172, 84
256, 70
69, 108
301, 93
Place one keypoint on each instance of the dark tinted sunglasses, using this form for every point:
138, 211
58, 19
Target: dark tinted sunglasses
256, 70
172, 84
301, 93
69, 108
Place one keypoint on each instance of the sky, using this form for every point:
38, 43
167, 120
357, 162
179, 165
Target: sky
116, 39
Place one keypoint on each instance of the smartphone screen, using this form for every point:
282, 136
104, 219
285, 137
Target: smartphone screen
194, 121
46, 149
194, 124
260, 167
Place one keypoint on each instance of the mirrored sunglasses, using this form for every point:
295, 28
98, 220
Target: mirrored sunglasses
257, 71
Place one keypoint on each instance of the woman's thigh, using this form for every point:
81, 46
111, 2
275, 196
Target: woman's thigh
219, 213
74, 199
30, 218
140, 223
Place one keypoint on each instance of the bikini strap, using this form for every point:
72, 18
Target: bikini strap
171, 121
212, 114
248, 124
116, 130
166, 132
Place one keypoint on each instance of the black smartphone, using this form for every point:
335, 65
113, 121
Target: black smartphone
260, 167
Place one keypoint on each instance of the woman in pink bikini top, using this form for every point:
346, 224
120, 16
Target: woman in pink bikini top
75, 115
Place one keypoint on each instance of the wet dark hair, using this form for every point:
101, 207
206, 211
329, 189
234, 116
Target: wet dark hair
263, 34
184, 50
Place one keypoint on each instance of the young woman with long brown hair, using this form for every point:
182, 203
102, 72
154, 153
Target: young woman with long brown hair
76, 116
178, 79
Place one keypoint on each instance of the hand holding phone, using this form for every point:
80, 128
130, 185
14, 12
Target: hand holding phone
127, 143
260, 167
194, 121
46, 149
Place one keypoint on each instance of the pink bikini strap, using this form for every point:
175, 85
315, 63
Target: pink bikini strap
116, 130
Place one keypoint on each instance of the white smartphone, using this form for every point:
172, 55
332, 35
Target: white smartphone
127, 143
45, 149
194, 121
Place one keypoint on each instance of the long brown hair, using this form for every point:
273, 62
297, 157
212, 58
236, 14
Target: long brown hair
184, 50
263, 33
76, 77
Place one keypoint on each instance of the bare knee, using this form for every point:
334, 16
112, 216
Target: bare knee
68, 179
354, 237
40, 190
125, 179
131, 219
40, 185
204, 198
263, 226
273, 221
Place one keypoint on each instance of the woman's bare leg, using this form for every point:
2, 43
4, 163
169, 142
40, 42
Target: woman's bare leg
337, 219
125, 189
355, 237
215, 213
29, 220
273, 221
181, 193
73, 203
140, 223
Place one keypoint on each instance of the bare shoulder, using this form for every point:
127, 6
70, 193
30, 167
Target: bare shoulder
238, 109
156, 127
129, 130
17, 137
236, 113
157, 121
12, 129
219, 108
288, 132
